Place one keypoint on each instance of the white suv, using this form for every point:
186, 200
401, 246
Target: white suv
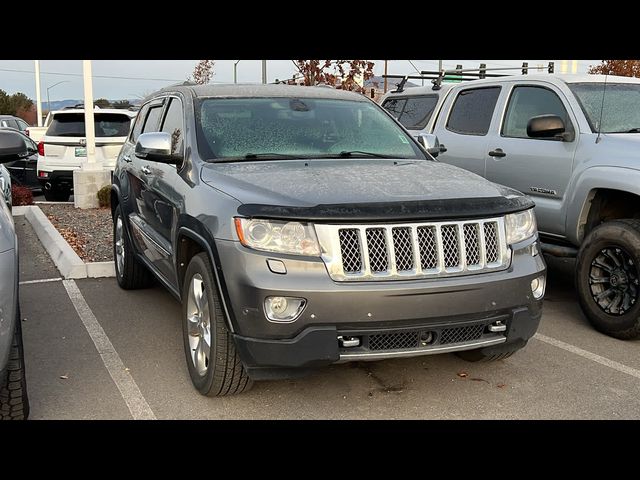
63, 147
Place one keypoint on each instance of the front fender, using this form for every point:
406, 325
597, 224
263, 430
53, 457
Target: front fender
584, 189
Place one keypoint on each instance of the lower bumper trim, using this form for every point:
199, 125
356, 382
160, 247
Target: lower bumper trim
347, 357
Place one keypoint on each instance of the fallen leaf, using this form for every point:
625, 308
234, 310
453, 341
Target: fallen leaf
478, 380
24, 319
126, 369
463, 374
64, 377
501, 385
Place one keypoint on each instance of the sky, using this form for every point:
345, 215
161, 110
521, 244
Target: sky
132, 79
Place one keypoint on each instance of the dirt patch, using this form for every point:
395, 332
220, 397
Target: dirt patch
89, 232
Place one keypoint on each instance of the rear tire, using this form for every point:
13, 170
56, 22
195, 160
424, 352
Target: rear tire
130, 273
608, 277
56, 194
214, 365
14, 401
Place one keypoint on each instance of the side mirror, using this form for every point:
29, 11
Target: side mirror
12, 146
430, 143
156, 147
547, 126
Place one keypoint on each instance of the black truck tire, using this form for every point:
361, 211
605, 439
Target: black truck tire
130, 273
56, 194
14, 401
608, 277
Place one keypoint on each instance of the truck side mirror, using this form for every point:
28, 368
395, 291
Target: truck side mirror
430, 143
547, 126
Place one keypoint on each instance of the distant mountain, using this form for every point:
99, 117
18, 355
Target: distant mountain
60, 104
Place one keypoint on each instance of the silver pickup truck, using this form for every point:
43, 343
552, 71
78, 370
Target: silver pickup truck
570, 142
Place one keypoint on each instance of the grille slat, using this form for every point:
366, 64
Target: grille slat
491, 241
377, 246
403, 248
461, 334
416, 250
472, 243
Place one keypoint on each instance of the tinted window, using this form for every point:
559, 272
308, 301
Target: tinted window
106, 125
173, 124
417, 111
151, 125
528, 102
137, 126
394, 106
22, 125
472, 111
620, 111
302, 127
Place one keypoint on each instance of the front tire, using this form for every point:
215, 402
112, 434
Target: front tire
214, 365
14, 401
608, 277
130, 273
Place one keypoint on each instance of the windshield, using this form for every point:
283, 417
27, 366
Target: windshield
621, 111
270, 128
106, 125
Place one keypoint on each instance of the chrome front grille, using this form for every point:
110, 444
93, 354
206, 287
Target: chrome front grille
415, 250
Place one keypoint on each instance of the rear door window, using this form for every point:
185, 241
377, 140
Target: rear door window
472, 111
106, 125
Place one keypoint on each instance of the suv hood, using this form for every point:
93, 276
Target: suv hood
342, 188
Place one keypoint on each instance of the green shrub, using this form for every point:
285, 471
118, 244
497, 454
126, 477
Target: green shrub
104, 196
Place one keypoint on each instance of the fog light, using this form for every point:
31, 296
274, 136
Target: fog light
537, 287
283, 309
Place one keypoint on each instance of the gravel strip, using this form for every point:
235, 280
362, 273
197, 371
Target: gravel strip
89, 232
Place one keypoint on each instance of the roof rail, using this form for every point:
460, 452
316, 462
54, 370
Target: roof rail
464, 74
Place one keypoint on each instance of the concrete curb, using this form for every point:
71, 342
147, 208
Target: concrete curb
67, 261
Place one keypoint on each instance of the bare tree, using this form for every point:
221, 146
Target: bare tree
624, 68
202, 72
344, 72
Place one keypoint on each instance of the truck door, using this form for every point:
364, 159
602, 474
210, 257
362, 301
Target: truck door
463, 126
538, 167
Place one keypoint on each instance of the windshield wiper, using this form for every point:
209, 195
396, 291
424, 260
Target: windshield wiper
350, 153
254, 156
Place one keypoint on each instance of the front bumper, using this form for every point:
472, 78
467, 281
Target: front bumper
367, 309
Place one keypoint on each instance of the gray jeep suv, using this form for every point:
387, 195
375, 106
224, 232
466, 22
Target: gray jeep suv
304, 226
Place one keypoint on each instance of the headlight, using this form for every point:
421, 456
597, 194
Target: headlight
277, 236
520, 226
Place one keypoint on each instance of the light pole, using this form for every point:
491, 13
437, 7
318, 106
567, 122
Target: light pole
264, 71
235, 71
49, 88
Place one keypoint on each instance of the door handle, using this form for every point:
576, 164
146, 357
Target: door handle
146, 170
497, 153
126, 158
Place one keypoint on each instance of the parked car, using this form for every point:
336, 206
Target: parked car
23, 171
302, 226
576, 155
14, 122
14, 402
63, 147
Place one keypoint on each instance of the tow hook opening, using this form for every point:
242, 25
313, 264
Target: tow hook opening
497, 326
348, 342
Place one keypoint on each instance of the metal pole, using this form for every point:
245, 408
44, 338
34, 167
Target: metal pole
90, 132
38, 99
235, 71
48, 103
439, 65
385, 75
264, 71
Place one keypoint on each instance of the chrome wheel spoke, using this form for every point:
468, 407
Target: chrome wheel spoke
198, 324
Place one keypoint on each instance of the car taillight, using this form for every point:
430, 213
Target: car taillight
41, 148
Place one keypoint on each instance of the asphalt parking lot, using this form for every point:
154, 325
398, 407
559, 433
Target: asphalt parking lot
94, 351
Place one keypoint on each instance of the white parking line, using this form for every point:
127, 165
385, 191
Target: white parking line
42, 280
591, 356
129, 390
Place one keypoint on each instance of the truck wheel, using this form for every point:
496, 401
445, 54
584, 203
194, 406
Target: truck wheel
57, 195
214, 365
608, 277
130, 273
14, 402
490, 354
